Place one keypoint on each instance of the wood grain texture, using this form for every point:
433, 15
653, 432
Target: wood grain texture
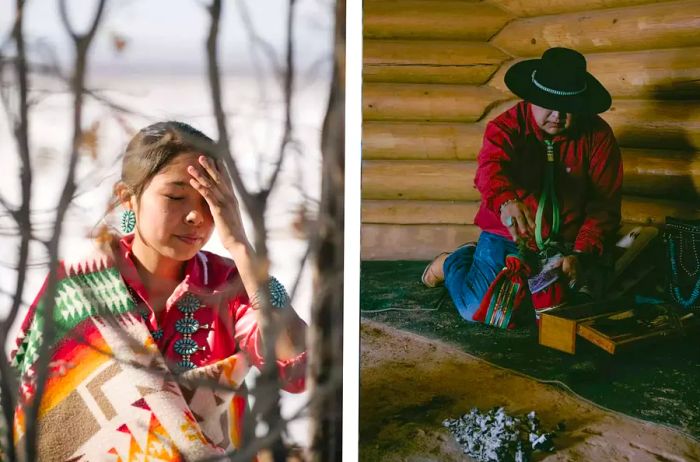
422, 180
417, 242
635, 210
654, 211
430, 19
427, 141
657, 26
524, 8
429, 61
652, 173
423, 102
648, 74
663, 174
656, 124
419, 212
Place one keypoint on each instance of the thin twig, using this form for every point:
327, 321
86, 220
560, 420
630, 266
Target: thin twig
82, 44
288, 89
21, 216
267, 393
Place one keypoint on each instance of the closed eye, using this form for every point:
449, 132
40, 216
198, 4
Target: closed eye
174, 198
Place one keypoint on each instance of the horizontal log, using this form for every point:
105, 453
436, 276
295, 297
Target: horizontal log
652, 173
635, 210
416, 242
657, 25
409, 140
419, 212
422, 180
422, 102
648, 74
676, 126
427, 140
641, 210
664, 174
656, 124
430, 61
524, 8
420, 19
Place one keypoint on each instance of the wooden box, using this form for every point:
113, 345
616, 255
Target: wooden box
634, 326
612, 326
558, 326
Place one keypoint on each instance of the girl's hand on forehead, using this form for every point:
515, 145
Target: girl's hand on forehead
209, 178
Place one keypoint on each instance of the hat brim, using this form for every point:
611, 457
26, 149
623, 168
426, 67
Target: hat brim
594, 100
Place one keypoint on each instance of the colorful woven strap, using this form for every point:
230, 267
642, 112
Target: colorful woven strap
548, 193
504, 295
502, 303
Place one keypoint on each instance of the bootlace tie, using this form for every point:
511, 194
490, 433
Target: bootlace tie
548, 194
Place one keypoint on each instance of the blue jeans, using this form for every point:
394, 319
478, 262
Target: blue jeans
469, 272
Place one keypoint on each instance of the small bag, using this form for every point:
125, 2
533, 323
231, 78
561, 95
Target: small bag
682, 240
505, 294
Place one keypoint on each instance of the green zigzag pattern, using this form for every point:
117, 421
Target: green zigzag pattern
77, 298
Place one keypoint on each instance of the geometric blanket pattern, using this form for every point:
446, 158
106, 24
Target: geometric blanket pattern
110, 395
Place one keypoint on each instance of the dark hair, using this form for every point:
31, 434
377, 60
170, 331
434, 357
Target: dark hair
149, 151
155, 146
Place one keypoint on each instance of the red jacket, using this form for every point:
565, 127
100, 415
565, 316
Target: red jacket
587, 176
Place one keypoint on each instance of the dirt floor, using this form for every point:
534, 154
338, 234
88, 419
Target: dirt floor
409, 385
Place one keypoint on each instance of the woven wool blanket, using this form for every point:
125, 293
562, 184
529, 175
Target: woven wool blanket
110, 394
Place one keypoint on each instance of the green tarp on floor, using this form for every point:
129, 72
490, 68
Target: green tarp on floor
659, 383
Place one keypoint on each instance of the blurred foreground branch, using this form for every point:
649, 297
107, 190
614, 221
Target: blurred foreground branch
326, 336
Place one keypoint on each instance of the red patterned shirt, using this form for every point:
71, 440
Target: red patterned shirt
226, 324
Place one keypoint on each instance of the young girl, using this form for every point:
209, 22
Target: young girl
153, 335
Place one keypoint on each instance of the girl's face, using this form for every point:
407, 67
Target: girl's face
172, 218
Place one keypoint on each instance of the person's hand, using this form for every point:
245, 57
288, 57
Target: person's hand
210, 179
571, 268
517, 218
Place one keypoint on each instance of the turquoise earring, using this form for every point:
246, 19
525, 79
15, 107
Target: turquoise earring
128, 221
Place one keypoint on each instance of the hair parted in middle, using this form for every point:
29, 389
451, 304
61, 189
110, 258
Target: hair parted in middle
153, 147
148, 152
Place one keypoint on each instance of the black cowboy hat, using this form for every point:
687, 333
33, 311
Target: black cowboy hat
558, 81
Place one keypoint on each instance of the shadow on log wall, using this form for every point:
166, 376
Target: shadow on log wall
433, 77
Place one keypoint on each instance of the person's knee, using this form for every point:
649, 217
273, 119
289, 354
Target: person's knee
467, 309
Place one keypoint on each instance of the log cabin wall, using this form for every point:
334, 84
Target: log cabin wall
433, 76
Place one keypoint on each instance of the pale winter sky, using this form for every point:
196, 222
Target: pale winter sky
169, 35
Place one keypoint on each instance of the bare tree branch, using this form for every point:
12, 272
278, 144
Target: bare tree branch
288, 91
82, 44
22, 217
86, 38
257, 41
326, 335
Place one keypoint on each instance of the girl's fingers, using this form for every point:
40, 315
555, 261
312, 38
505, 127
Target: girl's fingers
200, 176
201, 189
212, 197
210, 169
220, 165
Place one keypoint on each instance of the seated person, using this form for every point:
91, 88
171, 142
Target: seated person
550, 175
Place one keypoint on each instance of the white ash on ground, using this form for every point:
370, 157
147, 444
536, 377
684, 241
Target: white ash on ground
495, 436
